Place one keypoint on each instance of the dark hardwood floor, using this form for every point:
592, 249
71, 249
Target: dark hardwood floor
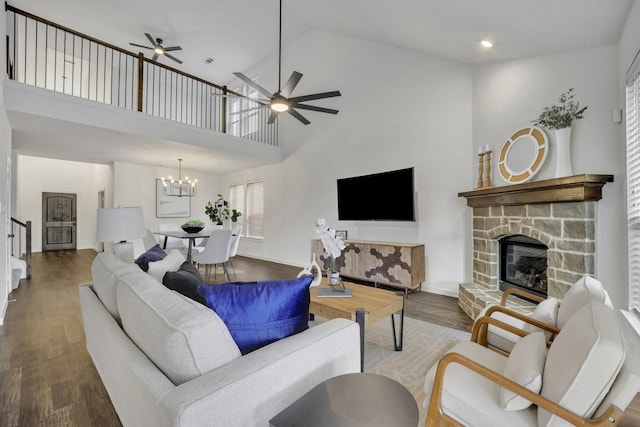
46, 375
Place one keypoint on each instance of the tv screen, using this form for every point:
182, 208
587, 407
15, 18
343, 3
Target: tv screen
386, 196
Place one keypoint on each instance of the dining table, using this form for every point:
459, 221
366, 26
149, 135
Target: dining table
204, 234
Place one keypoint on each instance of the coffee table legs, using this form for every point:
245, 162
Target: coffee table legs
397, 345
397, 336
360, 320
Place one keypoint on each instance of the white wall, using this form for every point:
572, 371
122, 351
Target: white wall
398, 109
5, 190
135, 185
37, 175
508, 96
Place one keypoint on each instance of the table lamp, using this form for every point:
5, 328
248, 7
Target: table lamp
119, 225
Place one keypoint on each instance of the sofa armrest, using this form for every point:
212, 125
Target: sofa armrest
254, 388
437, 417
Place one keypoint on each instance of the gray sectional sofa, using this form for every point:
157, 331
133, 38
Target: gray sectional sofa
166, 360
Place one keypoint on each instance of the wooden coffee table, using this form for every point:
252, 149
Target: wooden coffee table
366, 306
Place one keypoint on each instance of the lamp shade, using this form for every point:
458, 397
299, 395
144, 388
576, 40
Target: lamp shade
120, 224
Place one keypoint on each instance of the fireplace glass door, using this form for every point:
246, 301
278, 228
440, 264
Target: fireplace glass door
523, 264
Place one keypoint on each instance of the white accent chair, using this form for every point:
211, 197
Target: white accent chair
586, 374
549, 316
233, 248
216, 252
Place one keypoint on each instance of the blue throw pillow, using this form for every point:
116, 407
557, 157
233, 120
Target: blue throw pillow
155, 253
259, 313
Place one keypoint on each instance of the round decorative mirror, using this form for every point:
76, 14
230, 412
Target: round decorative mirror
522, 155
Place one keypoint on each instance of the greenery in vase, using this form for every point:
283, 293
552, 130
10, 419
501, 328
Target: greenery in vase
561, 115
220, 211
194, 223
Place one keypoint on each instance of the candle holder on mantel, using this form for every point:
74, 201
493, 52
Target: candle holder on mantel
487, 166
480, 184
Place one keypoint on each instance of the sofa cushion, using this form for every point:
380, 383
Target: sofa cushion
545, 312
182, 338
582, 292
524, 366
155, 253
259, 313
185, 281
106, 270
171, 262
583, 362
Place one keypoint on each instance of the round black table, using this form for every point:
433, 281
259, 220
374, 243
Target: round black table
352, 400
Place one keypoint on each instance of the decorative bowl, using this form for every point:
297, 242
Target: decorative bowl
192, 228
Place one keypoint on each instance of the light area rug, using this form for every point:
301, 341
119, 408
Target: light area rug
423, 344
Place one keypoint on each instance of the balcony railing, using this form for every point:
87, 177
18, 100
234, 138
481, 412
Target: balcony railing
44, 54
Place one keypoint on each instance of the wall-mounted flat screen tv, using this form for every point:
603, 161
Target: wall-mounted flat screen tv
385, 196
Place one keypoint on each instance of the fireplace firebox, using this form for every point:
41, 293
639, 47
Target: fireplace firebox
523, 264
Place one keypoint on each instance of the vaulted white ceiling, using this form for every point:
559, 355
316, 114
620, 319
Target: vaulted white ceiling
240, 33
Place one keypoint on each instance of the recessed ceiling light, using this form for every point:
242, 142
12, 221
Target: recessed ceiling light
208, 60
486, 43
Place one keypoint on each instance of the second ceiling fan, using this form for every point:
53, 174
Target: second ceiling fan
281, 101
158, 49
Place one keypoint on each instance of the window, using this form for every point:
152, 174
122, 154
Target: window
249, 199
255, 209
633, 183
243, 116
236, 201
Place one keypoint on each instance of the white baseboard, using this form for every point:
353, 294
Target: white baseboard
277, 261
440, 290
4, 311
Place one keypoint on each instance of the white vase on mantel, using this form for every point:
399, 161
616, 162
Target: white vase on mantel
563, 152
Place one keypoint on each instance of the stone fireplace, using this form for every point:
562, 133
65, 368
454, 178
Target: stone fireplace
559, 215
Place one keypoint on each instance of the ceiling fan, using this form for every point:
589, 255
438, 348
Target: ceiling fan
281, 101
158, 49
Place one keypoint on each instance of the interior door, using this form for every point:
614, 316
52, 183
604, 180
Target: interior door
58, 221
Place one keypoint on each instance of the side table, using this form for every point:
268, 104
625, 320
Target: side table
352, 400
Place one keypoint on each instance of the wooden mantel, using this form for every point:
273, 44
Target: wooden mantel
577, 188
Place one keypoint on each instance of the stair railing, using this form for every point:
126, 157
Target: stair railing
21, 238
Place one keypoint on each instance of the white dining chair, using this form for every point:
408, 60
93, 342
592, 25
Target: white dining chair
215, 252
172, 242
233, 247
149, 240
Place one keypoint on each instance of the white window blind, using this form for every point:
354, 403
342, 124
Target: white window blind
236, 201
255, 209
633, 183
